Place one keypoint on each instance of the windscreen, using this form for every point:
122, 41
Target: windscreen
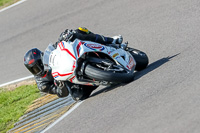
46, 56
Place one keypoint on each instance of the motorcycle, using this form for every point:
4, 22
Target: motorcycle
93, 64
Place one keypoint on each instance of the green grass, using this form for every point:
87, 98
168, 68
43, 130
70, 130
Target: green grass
7, 2
14, 103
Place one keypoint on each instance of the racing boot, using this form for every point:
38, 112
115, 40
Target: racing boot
117, 39
124, 45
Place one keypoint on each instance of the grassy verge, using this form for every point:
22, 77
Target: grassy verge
14, 103
4, 3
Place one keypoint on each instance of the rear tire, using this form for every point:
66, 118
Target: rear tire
141, 59
101, 75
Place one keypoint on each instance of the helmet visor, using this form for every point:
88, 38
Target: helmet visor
35, 69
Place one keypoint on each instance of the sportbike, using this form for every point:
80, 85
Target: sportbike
93, 64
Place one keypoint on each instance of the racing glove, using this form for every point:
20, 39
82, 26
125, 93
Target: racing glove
66, 35
62, 90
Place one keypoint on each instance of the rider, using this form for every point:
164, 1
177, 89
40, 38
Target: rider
33, 60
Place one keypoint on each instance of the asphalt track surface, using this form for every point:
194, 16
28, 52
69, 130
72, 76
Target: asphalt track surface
165, 97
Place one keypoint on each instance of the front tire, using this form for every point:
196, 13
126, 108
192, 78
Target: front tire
141, 59
101, 75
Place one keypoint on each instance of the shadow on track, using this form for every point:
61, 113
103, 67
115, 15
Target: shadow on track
139, 74
153, 66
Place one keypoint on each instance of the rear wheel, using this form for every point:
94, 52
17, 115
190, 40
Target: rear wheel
141, 59
110, 76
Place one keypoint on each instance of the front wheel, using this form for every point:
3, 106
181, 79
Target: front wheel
141, 59
110, 76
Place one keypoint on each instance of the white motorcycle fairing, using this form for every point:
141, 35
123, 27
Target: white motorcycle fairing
63, 60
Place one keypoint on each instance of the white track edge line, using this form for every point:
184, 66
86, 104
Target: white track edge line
63, 116
17, 3
15, 81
